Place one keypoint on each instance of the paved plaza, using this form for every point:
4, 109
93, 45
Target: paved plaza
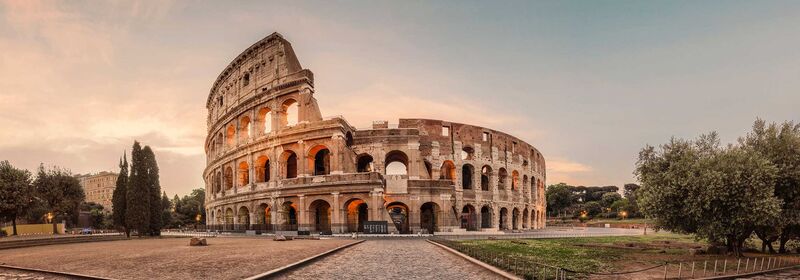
392, 259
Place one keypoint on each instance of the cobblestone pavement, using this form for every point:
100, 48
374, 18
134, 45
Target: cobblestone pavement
392, 259
13, 274
786, 274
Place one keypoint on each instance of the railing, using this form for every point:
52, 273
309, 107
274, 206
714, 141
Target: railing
519, 265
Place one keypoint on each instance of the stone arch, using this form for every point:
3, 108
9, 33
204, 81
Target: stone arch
220, 217
486, 177
524, 182
244, 173
501, 178
265, 120
243, 216
288, 214
262, 169
320, 213
486, 216
466, 176
515, 180
228, 178
290, 113
428, 213
215, 186
230, 135
319, 160
289, 164
244, 129
515, 218
264, 217
364, 163
218, 142
397, 161
448, 171
525, 218
399, 214
357, 214
469, 218
503, 222
228, 216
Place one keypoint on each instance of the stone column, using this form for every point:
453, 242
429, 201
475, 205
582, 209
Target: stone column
336, 217
302, 160
302, 213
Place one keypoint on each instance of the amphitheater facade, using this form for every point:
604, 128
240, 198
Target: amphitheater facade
275, 164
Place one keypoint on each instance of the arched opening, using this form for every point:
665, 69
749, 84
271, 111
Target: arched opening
262, 169
243, 220
291, 113
469, 219
228, 218
244, 174
525, 218
467, 153
364, 163
486, 175
246, 79
220, 217
265, 120
466, 176
228, 178
218, 142
348, 139
396, 163
398, 212
320, 160
290, 164
264, 218
215, 185
486, 217
448, 171
321, 216
428, 169
427, 217
515, 219
524, 183
501, 176
514, 180
503, 218
244, 129
357, 213
230, 135
289, 216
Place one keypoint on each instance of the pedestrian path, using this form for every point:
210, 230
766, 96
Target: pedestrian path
392, 259
786, 274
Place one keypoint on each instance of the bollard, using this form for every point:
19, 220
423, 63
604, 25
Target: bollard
705, 264
680, 267
692, 270
738, 264
746, 264
665, 270
715, 268
724, 266
762, 264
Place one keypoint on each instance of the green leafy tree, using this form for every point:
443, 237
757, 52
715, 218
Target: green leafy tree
559, 197
780, 144
15, 193
592, 208
154, 190
629, 192
166, 212
59, 192
609, 198
118, 200
137, 210
189, 207
697, 187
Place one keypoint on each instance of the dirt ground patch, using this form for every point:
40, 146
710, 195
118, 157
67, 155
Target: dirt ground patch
169, 258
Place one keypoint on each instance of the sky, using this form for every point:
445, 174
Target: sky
589, 83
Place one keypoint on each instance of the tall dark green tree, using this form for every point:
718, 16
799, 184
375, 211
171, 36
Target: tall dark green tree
166, 210
137, 210
154, 188
15, 193
60, 193
119, 201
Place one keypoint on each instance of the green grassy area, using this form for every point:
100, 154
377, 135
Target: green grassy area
591, 253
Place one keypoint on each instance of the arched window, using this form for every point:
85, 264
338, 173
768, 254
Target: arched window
246, 79
290, 113
244, 174
320, 160
486, 174
501, 178
448, 171
515, 180
265, 120
290, 161
396, 163
466, 176
364, 163
244, 129
228, 178
262, 169
231, 135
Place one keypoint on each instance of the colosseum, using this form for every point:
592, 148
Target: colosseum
274, 163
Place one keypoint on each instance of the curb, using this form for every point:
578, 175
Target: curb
288, 267
484, 265
67, 274
749, 274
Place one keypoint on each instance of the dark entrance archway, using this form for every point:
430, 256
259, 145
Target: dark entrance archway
469, 219
427, 217
398, 213
357, 213
486, 217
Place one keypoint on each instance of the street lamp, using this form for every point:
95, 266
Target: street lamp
624, 214
197, 219
49, 217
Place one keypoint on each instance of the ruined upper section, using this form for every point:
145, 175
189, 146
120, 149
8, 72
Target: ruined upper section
269, 63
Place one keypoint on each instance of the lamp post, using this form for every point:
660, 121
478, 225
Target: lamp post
197, 219
624, 214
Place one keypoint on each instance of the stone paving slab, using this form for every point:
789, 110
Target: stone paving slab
391, 259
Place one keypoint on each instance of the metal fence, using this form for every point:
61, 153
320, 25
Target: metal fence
529, 269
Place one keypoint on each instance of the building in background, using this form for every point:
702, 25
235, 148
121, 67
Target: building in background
99, 187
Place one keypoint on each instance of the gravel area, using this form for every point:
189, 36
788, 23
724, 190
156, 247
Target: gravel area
391, 259
169, 258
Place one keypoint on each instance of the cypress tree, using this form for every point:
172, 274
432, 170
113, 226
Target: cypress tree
137, 212
118, 200
154, 188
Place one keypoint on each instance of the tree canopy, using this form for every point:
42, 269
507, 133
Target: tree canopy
15, 193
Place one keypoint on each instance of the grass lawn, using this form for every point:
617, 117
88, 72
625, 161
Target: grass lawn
595, 253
